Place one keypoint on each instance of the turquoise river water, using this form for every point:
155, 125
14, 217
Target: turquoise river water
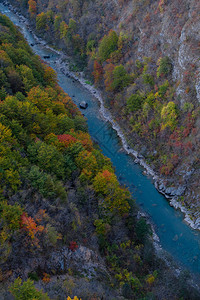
175, 236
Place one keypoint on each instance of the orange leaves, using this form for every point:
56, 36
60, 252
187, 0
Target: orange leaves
108, 175
46, 278
69, 139
84, 138
41, 215
108, 76
32, 7
66, 139
98, 71
31, 227
69, 105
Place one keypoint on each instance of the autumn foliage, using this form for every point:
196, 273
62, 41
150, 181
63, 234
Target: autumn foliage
98, 72
32, 7
46, 278
73, 246
116, 198
31, 227
66, 139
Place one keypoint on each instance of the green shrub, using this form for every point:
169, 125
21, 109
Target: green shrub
47, 157
163, 89
107, 45
142, 229
148, 79
164, 66
134, 102
120, 78
26, 291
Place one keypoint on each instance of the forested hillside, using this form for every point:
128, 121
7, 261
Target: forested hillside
67, 226
144, 56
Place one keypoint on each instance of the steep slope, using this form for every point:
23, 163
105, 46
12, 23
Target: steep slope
149, 73
65, 221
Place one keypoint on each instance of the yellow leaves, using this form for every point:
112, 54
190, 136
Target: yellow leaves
12, 178
125, 245
49, 75
86, 161
63, 29
85, 175
52, 139
36, 128
75, 298
9, 219
116, 198
32, 7
3, 236
161, 6
5, 60
40, 98
118, 201
104, 182
7, 155
5, 134
58, 108
119, 276
150, 279
169, 115
27, 76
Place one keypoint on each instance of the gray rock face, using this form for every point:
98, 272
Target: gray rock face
84, 260
171, 191
181, 189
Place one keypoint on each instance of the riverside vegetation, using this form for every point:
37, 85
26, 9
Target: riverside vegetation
67, 226
144, 56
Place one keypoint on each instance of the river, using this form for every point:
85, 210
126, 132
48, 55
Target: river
175, 237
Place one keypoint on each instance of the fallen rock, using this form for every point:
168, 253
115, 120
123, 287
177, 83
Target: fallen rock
83, 104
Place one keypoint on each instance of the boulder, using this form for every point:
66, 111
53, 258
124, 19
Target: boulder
83, 104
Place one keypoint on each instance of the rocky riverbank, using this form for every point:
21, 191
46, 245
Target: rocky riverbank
172, 194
